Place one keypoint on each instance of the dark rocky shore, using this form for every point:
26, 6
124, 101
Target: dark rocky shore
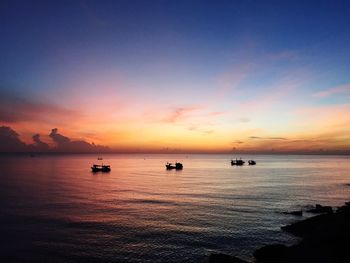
325, 239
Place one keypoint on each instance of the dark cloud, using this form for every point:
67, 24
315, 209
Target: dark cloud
14, 108
267, 138
60, 140
10, 142
64, 144
40, 145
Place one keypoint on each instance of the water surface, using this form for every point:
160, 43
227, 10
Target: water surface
54, 209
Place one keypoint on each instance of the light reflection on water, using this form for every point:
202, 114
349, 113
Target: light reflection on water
54, 209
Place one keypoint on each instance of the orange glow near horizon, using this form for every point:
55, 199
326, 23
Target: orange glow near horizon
191, 129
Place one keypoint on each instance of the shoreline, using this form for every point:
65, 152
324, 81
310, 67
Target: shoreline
324, 239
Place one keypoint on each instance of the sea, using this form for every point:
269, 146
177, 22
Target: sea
54, 209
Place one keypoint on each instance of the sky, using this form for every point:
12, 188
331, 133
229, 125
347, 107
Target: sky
175, 76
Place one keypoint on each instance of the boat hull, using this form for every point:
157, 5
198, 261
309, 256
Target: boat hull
239, 163
178, 166
97, 168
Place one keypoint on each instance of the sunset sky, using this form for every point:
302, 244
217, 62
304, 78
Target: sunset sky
178, 76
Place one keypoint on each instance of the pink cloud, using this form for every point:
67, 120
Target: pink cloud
335, 90
180, 113
231, 79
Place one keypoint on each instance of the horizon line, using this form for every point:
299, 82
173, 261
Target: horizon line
173, 153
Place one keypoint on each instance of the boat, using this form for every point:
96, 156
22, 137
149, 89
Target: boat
237, 162
100, 158
252, 162
176, 166
100, 168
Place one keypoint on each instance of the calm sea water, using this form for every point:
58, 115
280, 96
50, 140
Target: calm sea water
54, 209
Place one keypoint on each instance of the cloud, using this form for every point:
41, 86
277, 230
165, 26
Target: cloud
59, 139
217, 113
201, 130
10, 142
267, 138
335, 90
244, 120
40, 145
15, 109
179, 113
273, 96
65, 144
232, 78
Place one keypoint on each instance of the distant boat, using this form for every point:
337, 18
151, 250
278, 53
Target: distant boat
100, 168
237, 162
100, 158
177, 166
251, 162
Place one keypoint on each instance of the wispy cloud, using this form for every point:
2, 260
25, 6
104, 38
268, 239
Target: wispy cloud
201, 130
332, 91
267, 138
273, 95
232, 78
244, 120
217, 113
14, 109
180, 113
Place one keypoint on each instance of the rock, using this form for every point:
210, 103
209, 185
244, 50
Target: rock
309, 226
223, 258
294, 213
320, 209
325, 239
271, 254
344, 209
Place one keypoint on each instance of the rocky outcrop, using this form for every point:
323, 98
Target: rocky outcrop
320, 209
325, 239
271, 254
223, 258
294, 213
